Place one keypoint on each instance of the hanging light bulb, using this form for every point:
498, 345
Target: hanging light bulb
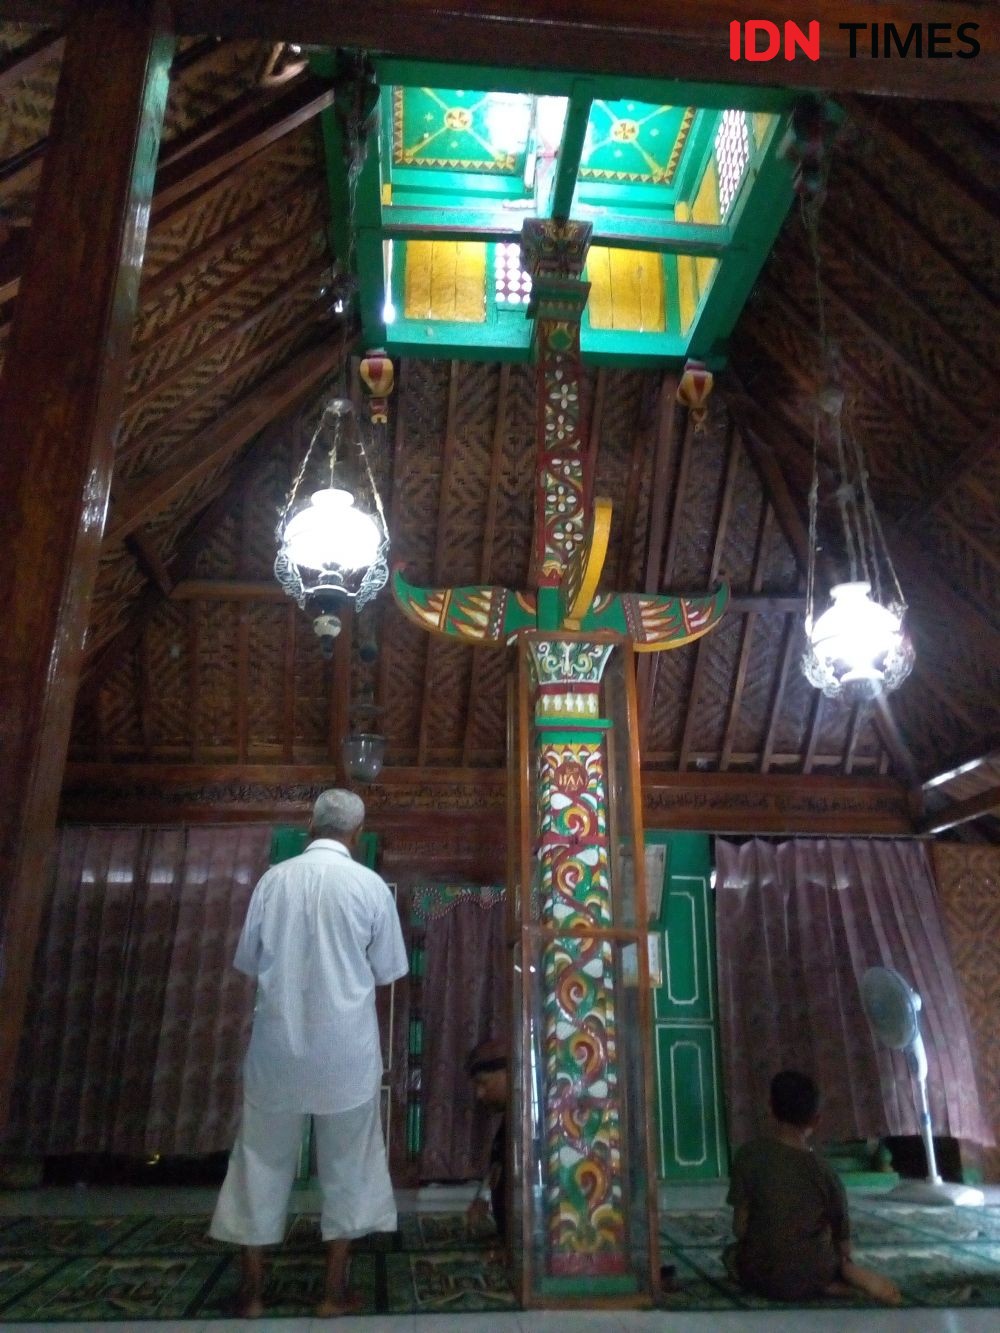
331, 551
329, 531
857, 647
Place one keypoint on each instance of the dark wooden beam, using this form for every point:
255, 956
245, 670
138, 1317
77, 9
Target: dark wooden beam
339, 684
211, 447
64, 377
963, 765
675, 39
261, 263
150, 565
746, 636
227, 334
960, 812
718, 802
701, 651
662, 466
931, 159
244, 224
909, 227
265, 120
812, 735
30, 56
440, 552
640, 443
497, 449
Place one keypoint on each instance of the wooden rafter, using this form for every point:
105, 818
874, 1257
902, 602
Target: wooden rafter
440, 552
746, 636
960, 812
199, 311
930, 158
167, 423
30, 56
813, 731
874, 335
243, 225
778, 695
662, 466
400, 461
631, 505
218, 341
500, 427
218, 149
853, 731
211, 447
909, 226
665, 574
186, 174
721, 528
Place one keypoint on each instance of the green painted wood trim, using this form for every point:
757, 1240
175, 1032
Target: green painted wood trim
663, 236
754, 236
556, 83
561, 730
571, 148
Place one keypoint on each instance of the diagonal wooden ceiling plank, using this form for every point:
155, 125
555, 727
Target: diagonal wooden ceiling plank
206, 450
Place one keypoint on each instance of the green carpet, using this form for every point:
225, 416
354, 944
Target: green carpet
132, 1268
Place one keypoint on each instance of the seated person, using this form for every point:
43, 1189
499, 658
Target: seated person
487, 1067
790, 1210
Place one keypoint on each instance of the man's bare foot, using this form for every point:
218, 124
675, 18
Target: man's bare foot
332, 1306
249, 1305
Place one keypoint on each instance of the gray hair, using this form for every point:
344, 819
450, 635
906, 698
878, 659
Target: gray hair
337, 813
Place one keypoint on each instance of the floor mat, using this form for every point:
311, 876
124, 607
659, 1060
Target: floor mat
143, 1267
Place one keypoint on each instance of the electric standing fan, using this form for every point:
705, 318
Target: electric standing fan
892, 1007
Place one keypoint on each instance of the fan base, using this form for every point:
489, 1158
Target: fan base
942, 1193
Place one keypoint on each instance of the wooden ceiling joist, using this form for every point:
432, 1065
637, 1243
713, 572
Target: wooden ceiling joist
497, 448
226, 336
960, 812
210, 448
663, 459
30, 56
217, 151
440, 553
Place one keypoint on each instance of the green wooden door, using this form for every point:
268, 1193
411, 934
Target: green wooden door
690, 1124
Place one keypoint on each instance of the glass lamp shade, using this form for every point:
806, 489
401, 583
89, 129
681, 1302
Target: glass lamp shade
857, 647
329, 531
364, 753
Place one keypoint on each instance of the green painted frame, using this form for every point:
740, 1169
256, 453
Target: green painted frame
741, 243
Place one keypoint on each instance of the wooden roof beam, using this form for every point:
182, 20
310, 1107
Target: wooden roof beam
500, 428
725, 505
960, 812
961, 767
746, 636
30, 56
666, 431
440, 550
211, 447
683, 39
186, 170
930, 157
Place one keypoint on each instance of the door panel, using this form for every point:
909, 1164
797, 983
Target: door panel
689, 1094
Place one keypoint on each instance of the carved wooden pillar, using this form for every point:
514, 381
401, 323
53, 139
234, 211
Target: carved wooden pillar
60, 400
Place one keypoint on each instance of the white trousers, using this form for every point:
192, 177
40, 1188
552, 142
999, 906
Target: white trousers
353, 1176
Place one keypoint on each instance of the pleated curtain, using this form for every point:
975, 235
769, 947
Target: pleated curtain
799, 923
137, 1022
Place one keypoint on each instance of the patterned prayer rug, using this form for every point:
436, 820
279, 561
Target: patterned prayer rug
132, 1268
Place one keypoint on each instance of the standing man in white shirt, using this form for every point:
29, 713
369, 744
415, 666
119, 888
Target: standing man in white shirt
321, 933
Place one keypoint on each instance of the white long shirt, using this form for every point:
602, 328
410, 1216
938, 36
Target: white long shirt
321, 933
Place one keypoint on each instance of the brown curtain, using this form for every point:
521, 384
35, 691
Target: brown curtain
137, 1022
969, 882
464, 1002
799, 923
